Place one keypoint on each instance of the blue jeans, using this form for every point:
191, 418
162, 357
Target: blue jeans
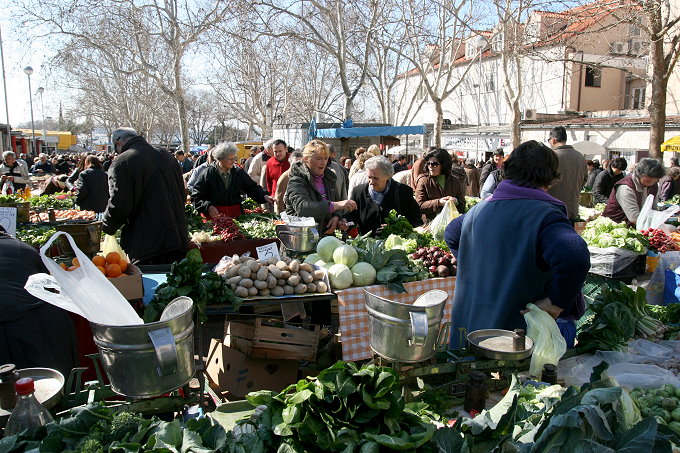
568, 331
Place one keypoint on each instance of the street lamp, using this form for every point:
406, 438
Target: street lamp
480, 43
41, 90
28, 71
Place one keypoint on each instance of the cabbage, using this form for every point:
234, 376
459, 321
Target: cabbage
363, 274
345, 254
397, 242
313, 258
327, 246
340, 276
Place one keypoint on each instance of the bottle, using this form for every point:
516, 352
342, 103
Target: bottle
28, 413
8, 376
475, 392
549, 374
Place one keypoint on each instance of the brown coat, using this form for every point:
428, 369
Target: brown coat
472, 189
573, 175
417, 170
428, 192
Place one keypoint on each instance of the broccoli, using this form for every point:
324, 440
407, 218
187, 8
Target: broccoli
90, 445
123, 424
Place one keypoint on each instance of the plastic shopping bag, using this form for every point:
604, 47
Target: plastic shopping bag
549, 345
110, 244
84, 290
8, 188
439, 224
649, 218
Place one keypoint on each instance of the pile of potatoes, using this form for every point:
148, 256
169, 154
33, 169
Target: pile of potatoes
248, 277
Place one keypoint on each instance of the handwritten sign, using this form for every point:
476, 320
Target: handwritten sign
265, 252
8, 220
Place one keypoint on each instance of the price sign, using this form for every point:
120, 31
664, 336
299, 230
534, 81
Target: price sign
268, 251
8, 220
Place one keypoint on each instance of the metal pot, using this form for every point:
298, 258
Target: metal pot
497, 344
404, 332
297, 238
148, 360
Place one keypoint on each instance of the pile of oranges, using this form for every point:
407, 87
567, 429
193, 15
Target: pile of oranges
112, 265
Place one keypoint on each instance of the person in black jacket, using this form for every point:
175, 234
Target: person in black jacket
497, 164
92, 186
605, 180
147, 201
218, 189
379, 196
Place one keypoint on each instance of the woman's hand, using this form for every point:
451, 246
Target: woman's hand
269, 199
547, 306
345, 205
213, 212
331, 225
443, 200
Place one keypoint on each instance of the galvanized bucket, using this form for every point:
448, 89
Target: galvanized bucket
297, 238
149, 359
403, 332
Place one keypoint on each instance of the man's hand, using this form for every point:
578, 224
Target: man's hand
346, 205
331, 225
213, 212
269, 199
547, 306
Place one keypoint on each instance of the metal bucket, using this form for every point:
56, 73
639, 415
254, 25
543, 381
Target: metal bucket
296, 238
149, 359
403, 332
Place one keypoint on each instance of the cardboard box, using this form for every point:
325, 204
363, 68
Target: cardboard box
131, 286
234, 374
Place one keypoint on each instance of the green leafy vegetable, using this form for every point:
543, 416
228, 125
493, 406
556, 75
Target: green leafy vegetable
396, 224
604, 232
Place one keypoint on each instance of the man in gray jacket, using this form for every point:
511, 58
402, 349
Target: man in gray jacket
573, 172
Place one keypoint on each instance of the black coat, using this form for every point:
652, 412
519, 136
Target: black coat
302, 199
93, 190
209, 189
369, 216
604, 183
147, 201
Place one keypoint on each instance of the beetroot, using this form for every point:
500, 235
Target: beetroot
442, 271
433, 269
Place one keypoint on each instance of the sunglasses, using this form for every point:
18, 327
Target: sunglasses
433, 164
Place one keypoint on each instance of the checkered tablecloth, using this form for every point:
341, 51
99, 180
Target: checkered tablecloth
355, 334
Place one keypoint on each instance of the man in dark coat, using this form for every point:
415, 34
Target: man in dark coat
605, 180
147, 201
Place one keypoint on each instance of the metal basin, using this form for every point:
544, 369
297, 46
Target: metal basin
149, 359
404, 332
497, 344
49, 388
298, 239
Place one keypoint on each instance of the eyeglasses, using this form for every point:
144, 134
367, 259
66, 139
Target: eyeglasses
433, 164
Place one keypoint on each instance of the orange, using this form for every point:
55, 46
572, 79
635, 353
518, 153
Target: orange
99, 260
123, 266
103, 271
112, 257
75, 262
63, 266
112, 270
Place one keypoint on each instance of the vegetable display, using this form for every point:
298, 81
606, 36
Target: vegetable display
471, 201
226, 228
344, 409
661, 403
659, 241
257, 229
186, 278
63, 201
64, 214
439, 262
396, 224
604, 232
35, 236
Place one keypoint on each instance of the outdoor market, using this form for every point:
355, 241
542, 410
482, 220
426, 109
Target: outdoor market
272, 332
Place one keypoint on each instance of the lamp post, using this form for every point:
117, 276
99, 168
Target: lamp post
480, 42
4, 84
28, 71
41, 90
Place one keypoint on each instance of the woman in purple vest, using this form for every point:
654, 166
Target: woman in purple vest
630, 193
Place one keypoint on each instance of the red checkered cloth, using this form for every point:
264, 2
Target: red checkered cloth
355, 334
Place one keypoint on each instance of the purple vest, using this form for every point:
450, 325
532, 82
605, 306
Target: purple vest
614, 210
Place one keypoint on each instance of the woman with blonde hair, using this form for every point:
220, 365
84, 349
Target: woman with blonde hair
311, 190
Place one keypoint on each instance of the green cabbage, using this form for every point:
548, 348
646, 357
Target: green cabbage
345, 254
604, 232
340, 276
363, 274
313, 258
397, 242
327, 246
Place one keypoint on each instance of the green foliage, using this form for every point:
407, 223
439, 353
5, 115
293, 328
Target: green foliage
52, 202
35, 236
195, 221
396, 224
186, 278
393, 266
604, 232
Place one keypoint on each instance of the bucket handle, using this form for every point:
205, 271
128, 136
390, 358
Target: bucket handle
166, 352
419, 324
315, 234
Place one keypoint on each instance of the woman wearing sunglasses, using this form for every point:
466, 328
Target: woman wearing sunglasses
435, 187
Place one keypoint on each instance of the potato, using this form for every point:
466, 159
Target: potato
275, 271
306, 276
282, 265
246, 283
287, 259
280, 282
265, 292
272, 260
232, 271
252, 291
234, 280
244, 271
263, 263
311, 288
294, 266
253, 265
277, 291
288, 290
285, 275
301, 288
236, 260
306, 267
240, 291
293, 280
271, 281
260, 284
233, 286
262, 274
245, 259
318, 274
321, 286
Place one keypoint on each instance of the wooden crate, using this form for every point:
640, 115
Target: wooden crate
260, 340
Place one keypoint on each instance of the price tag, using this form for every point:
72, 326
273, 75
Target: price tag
8, 220
265, 252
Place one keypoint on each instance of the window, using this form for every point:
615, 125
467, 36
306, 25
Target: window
593, 77
638, 98
497, 42
489, 83
422, 92
634, 30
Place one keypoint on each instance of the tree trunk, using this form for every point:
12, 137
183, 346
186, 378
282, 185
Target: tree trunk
438, 123
515, 132
348, 107
657, 103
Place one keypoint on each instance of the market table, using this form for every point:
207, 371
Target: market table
354, 330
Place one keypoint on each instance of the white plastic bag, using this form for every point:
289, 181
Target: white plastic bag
549, 344
611, 260
8, 188
84, 290
649, 218
439, 224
